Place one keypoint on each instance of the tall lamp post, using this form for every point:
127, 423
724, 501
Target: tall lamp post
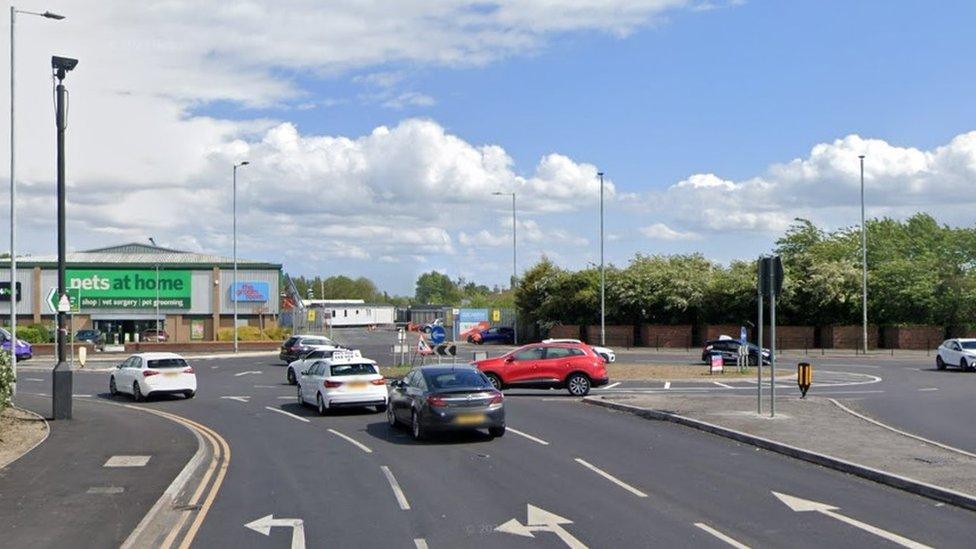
153, 242
233, 287
13, 191
864, 267
514, 264
603, 279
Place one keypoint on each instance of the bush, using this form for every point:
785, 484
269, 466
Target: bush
6, 380
35, 333
277, 333
244, 333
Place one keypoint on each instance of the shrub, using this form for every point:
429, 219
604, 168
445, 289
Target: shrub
6, 380
244, 333
35, 333
277, 333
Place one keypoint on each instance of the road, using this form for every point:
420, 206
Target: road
620, 480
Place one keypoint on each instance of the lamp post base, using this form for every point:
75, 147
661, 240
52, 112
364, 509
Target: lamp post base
61, 391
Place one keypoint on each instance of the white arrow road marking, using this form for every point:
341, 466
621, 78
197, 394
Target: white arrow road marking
355, 442
239, 374
528, 436
397, 492
264, 525
244, 399
540, 520
721, 536
420, 543
611, 478
289, 414
804, 505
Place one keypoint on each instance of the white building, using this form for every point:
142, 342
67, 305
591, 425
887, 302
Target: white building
352, 312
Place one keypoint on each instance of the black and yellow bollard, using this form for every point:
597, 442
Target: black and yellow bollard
804, 377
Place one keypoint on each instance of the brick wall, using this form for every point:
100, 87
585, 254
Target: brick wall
201, 346
565, 331
791, 337
847, 337
913, 337
616, 335
713, 331
656, 335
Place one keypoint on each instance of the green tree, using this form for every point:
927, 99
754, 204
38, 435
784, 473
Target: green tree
435, 287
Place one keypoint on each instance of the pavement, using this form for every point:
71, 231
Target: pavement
566, 473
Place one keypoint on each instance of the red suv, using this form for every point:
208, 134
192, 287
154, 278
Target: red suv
573, 366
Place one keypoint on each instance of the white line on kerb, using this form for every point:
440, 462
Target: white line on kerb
420, 543
397, 492
721, 536
667, 384
611, 478
612, 385
528, 436
360, 445
289, 414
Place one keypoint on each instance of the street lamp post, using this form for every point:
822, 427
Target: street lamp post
864, 268
603, 279
13, 192
234, 284
514, 263
153, 241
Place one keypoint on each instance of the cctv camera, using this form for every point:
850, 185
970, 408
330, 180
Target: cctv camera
63, 63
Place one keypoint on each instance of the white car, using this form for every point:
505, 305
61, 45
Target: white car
296, 367
346, 379
959, 353
145, 374
607, 354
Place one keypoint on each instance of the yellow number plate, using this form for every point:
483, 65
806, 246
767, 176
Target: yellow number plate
357, 385
469, 419
171, 374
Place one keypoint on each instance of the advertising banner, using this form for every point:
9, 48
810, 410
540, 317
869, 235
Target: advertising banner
250, 291
470, 320
197, 330
128, 289
5, 291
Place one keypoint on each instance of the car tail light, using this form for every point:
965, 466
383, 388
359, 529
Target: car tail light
436, 401
189, 370
380, 381
332, 384
147, 373
498, 398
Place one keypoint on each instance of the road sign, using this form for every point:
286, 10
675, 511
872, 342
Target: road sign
496, 315
311, 315
264, 525
804, 377
437, 335
64, 304
540, 520
743, 335
771, 275
717, 365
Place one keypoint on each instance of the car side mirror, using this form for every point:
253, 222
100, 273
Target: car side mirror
509, 359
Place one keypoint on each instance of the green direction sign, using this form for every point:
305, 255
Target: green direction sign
125, 289
52, 302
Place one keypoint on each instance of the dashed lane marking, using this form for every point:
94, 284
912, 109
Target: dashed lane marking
611, 478
33, 379
127, 461
720, 384
929, 389
612, 385
721, 536
397, 491
667, 384
352, 441
108, 490
289, 414
420, 543
528, 436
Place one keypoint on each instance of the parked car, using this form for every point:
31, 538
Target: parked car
729, 349
960, 352
446, 397
23, 349
606, 353
152, 334
346, 379
93, 337
428, 327
297, 345
146, 374
296, 367
571, 366
498, 334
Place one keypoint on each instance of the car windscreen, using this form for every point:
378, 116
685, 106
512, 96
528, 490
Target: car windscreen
316, 341
457, 380
165, 363
352, 369
968, 344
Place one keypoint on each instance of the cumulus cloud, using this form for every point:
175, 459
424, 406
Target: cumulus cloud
660, 231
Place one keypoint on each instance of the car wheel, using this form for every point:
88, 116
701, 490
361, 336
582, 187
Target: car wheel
416, 429
939, 363
578, 385
320, 402
112, 389
291, 377
391, 417
189, 394
964, 365
496, 432
496, 381
136, 393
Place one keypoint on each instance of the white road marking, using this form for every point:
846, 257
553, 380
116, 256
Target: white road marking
265, 387
611, 478
612, 385
667, 384
540, 520
360, 445
127, 461
420, 543
528, 436
848, 392
244, 399
239, 374
397, 492
81, 396
721, 536
929, 389
800, 505
289, 414
264, 525
105, 490
292, 397
33, 379
720, 384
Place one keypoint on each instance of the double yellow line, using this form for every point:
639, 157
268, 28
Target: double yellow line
206, 491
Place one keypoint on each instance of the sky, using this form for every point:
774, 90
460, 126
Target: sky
377, 132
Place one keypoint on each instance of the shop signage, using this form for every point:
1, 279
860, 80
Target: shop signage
5, 291
250, 291
196, 330
128, 289
471, 320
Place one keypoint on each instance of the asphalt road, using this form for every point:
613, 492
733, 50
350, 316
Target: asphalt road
620, 480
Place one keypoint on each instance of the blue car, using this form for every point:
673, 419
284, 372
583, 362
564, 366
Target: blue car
498, 334
23, 349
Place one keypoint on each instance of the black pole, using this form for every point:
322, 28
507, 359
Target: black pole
62, 380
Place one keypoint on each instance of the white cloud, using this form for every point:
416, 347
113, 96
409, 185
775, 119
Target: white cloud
660, 231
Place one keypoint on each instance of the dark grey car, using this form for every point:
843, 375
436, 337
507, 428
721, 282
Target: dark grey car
446, 398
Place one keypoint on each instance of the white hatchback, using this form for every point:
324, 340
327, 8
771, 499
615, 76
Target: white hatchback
960, 352
145, 374
346, 379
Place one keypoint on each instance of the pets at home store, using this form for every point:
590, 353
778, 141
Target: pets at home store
115, 291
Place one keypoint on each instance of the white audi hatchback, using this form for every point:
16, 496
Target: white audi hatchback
346, 379
145, 374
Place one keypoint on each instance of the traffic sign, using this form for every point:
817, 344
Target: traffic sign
56, 305
437, 334
743, 335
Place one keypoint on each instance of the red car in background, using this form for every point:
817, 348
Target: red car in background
571, 366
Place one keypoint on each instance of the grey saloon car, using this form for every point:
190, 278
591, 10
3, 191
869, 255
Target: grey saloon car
446, 398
